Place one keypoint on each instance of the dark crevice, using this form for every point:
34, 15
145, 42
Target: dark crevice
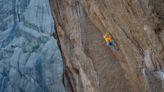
67, 81
65, 74
158, 30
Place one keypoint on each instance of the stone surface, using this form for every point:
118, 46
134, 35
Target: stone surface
137, 26
30, 60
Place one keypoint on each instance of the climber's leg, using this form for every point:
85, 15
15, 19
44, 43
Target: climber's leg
112, 44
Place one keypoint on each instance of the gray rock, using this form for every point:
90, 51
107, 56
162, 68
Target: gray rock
30, 60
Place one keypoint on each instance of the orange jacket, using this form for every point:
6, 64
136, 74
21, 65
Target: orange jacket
107, 38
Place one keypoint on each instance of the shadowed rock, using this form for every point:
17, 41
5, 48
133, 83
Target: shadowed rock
30, 60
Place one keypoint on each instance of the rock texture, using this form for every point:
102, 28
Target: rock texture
137, 26
30, 60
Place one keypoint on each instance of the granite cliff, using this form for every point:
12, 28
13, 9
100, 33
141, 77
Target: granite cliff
137, 26
61, 48
30, 60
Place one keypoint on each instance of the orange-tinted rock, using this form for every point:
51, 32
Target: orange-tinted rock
91, 66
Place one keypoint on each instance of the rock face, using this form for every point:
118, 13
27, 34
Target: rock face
30, 60
137, 26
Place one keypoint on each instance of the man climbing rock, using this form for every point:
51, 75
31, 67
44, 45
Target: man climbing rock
109, 41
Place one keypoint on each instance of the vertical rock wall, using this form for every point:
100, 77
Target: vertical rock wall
30, 60
137, 28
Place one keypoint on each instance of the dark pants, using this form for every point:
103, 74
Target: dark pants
112, 44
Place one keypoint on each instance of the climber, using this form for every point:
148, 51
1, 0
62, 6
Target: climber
109, 41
